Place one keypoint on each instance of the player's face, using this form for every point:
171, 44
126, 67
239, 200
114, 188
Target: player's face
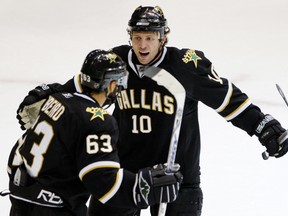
146, 46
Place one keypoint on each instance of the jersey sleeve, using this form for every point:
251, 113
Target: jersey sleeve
224, 97
71, 86
110, 184
15, 158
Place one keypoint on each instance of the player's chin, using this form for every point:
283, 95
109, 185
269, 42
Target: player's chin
144, 59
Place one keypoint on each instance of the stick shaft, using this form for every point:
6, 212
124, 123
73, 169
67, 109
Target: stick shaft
164, 78
265, 154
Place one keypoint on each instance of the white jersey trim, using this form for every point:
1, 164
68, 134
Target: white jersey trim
97, 165
77, 83
115, 188
239, 110
84, 96
36, 203
154, 65
226, 99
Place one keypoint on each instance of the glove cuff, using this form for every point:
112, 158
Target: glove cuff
266, 122
142, 188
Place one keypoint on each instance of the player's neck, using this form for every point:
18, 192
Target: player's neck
99, 97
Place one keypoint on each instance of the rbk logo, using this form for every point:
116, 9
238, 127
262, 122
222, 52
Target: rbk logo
50, 197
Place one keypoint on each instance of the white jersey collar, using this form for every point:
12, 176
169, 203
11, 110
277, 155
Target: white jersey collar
138, 68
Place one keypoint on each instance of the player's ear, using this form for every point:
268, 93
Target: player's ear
164, 40
112, 86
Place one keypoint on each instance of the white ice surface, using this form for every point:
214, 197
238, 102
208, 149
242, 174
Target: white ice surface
47, 41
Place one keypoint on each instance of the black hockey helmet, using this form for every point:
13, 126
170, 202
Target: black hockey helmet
148, 19
100, 68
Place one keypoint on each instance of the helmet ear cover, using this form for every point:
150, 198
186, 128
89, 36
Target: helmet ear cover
89, 83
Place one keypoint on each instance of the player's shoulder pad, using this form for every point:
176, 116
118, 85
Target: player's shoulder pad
61, 98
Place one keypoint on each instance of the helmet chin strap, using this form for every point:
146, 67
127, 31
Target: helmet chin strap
157, 56
111, 97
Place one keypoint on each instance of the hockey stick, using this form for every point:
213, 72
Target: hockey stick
282, 94
162, 77
280, 140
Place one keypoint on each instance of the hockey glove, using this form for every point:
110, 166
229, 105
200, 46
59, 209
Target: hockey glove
154, 185
271, 135
28, 115
29, 108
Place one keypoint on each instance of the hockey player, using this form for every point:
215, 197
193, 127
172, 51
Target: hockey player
70, 153
145, 110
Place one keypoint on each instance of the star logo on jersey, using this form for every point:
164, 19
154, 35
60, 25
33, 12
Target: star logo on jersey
111, 57
97, 112
191, 55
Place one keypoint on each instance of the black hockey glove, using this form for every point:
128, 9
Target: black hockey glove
154, 185
29, 108
271, 135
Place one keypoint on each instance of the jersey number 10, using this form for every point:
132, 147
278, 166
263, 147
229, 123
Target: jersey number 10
142, 124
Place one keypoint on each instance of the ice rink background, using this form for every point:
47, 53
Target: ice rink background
47, 41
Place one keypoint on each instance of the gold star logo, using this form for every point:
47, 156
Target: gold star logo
159, 10
111, 57
97, 112
191, 55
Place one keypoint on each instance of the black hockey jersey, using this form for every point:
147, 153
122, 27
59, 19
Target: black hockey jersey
71, 151
145, 110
